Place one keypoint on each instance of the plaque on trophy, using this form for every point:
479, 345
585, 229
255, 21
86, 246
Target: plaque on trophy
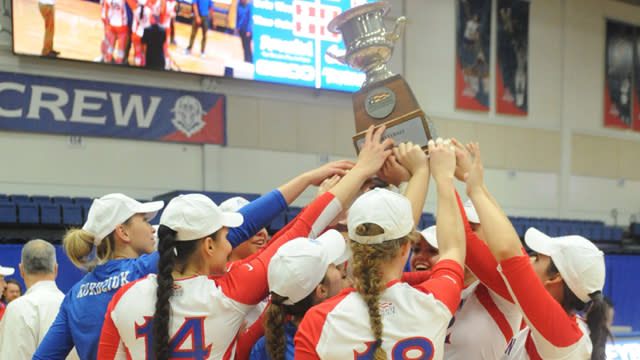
385, 98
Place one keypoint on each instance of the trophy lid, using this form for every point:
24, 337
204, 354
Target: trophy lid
338, 21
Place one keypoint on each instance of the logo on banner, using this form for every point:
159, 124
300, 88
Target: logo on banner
188, 115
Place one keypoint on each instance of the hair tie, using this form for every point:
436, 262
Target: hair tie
280, 299
377, 344
597, 296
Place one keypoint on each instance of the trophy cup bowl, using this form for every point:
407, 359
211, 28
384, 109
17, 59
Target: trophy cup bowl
385, 98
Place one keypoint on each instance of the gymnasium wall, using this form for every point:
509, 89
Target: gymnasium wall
557, 162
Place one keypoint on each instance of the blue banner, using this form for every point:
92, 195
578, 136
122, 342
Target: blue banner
80, 107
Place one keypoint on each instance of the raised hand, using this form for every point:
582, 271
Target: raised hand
442, 159
392, 172
463, 160
340, 167
411, 156
475, 176
327, 184
373, 153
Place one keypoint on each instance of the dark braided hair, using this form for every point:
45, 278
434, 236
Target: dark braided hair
173, 255
596, 315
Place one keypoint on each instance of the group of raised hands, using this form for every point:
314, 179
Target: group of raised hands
447, 158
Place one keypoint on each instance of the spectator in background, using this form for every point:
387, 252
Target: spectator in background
244, 27
201, 8
47, 11
4, 271
12, 291
153, 39
29, 317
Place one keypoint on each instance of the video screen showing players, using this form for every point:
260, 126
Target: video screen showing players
279, 41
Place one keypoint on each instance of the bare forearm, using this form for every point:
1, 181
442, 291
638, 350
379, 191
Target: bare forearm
451, 236
501, 237
292, 189
347, 188
416, 192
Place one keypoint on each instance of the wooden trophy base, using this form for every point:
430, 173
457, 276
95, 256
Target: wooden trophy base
390, 102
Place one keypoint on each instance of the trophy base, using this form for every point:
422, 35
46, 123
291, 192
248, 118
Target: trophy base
409, 127
391, 102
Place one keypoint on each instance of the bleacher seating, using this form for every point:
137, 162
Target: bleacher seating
72, 214
8, 213
4, 198
28, 213
292, 212
61, 199
278, 223
41, 199
50, 214
19, 199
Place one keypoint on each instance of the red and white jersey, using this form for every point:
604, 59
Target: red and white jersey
551, 333
170, 12
141, 20
103, 10
414, 320
206, 312
116, 12
482, 326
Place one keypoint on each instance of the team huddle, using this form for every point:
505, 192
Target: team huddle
333, 283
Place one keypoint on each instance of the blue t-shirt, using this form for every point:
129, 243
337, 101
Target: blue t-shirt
244, 20
257, 214
203, 6
259, 350
79, 321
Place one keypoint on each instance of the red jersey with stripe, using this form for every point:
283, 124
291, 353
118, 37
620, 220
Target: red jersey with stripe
116, 12
414, 319
169, 12
550, 334
141, 19
206, 312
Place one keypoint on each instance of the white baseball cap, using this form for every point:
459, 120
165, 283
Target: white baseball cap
233, 204
385, 208
6, 271
429, 234
194, 216
470, 210
300, 264
578, 260
112, 210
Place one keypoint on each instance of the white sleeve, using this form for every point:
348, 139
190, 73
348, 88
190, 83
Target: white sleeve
17, 334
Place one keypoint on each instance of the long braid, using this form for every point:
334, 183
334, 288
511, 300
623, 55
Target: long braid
160, 323
367, 259
274, 328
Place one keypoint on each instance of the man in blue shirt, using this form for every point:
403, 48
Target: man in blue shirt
202, 10
244, 27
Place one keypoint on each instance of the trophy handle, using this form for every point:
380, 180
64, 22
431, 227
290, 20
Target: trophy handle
398, 30
340, 58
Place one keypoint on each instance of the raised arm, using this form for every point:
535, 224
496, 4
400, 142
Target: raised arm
292, 189
413, 158
501, 237
451, 236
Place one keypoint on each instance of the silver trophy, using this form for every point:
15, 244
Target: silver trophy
385, 98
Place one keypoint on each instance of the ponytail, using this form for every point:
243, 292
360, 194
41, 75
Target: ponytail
367, 259
174, 255
78, 245
277, 313
160, 322
596, 316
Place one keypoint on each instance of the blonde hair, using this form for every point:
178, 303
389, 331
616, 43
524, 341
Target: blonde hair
78, 245
367, 259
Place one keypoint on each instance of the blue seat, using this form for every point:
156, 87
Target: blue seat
50, 214
82, 201
61, 199
28, 213
18, 199
292, 212
426, 220
4, 198
40, 199
71, 214
278, 222
635, 229
8, 213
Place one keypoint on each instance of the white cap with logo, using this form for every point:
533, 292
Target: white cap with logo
300, 264
194, 216
385, 208
233, 204
578, 260
429, 234
6, 271
112, 210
